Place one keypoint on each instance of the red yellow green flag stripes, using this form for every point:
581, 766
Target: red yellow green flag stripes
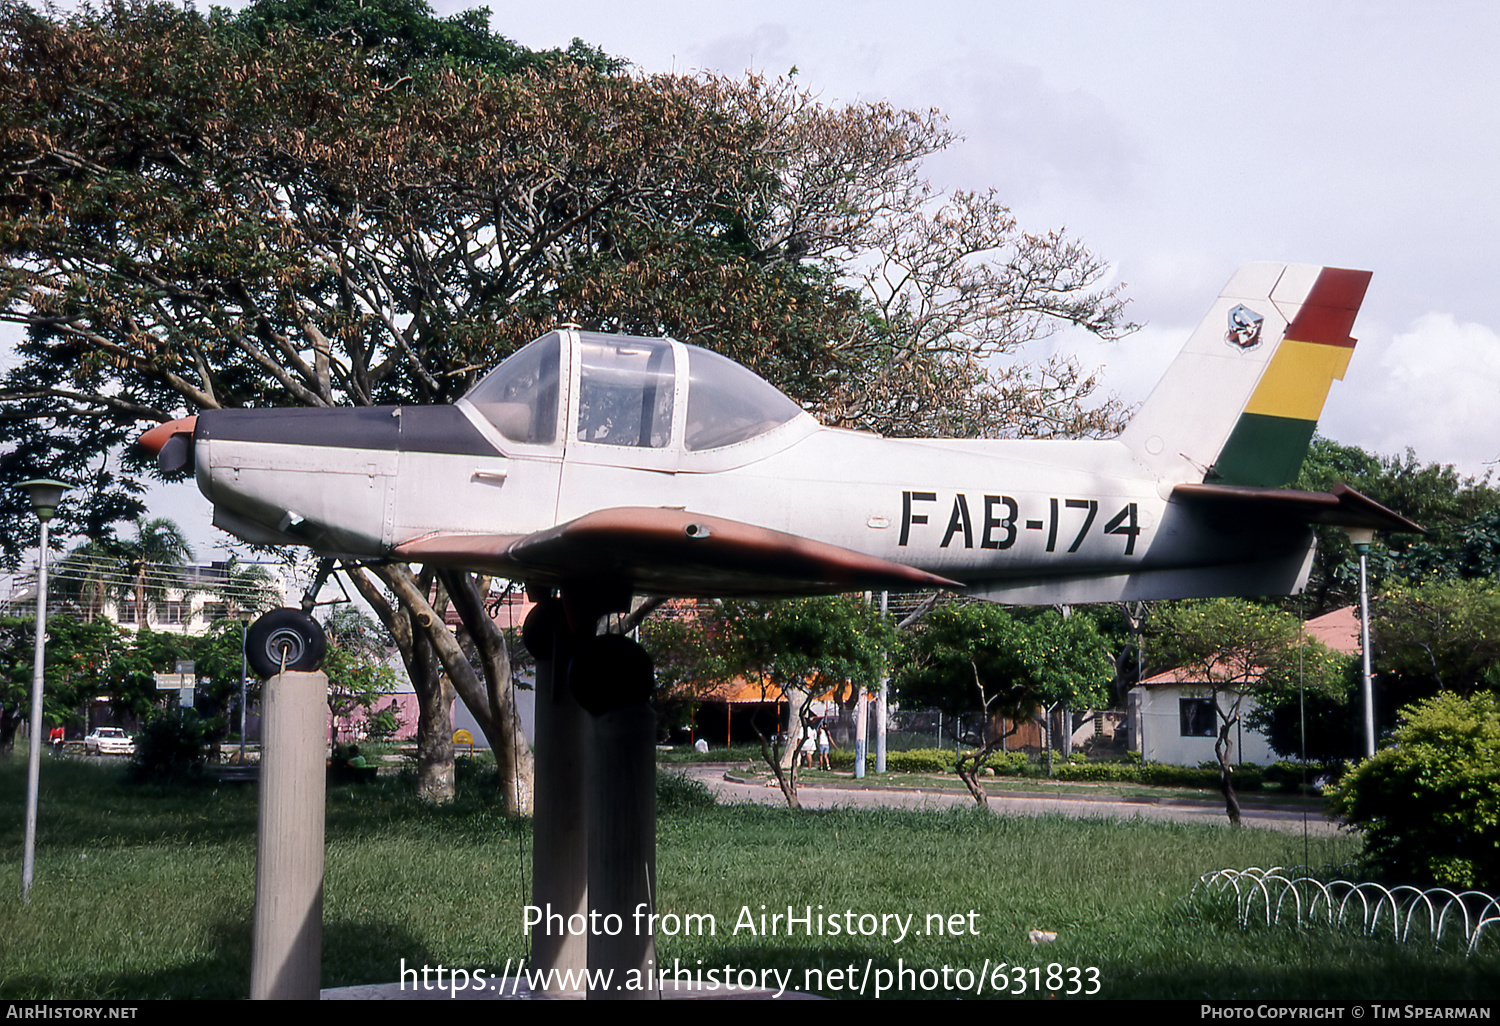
1268, 442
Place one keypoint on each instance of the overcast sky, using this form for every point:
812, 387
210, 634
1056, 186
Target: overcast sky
1178, 140
1181, 140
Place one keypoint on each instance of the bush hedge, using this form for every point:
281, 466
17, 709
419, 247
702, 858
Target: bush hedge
173, 745
1247, 777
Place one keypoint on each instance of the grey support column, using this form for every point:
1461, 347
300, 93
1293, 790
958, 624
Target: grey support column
287, 952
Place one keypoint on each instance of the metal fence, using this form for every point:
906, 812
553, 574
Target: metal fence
905, 729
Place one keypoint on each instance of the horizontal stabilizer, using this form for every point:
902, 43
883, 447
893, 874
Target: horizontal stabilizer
1341, 506
671, 552
1283, 574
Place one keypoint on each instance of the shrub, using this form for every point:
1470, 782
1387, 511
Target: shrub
1430, 804
173, 745
676, 792
1112, 771
1011, 764
1293, 774
384, 724
915, 760
921, 760
1247, 776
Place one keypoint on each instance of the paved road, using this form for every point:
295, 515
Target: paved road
1291, 819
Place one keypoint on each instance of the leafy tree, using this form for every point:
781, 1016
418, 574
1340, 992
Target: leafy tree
131, 685
1467, 550
1322, 725
1429, 805
979, 656
152, 558
1443, 636
358, 675
1461, 515
797, 650
384, 724
80, 658
401, 35
805, 650
206, 213
690, 659
1426, 639
88, 659
1231, 648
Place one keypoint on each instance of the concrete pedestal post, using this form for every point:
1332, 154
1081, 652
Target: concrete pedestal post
559, 845
622, 850
612, 677
287, 953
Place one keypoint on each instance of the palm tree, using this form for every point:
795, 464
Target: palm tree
154, 559
245, 588
87, 576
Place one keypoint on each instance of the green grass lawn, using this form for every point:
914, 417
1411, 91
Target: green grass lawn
145, 892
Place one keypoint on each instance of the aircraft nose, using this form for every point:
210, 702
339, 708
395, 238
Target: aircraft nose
171, 443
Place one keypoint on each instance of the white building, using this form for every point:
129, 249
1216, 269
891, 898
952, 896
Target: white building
1172, 718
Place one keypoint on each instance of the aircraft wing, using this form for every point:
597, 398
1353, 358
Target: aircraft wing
670, 552
1340, 506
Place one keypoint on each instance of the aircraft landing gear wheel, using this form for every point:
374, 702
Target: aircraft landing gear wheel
609, 671
545, 623
285, 638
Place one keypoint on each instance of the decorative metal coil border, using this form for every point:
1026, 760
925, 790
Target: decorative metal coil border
1271, 894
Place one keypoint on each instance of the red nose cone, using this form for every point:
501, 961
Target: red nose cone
154, 440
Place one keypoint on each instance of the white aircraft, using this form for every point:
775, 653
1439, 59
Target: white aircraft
643, 465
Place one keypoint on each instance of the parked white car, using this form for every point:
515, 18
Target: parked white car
109, 741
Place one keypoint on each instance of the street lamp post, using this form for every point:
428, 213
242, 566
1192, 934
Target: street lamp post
45, 495
1362, 537
243, 692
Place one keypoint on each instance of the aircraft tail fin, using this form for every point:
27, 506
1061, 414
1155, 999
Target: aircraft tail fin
1239, 404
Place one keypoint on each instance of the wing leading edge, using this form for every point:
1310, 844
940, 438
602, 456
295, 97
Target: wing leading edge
671, 552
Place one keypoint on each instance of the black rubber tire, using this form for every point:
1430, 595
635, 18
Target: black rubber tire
610, 672
288, 634
546, 621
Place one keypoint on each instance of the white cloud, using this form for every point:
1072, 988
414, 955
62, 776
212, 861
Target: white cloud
1434, 388
1023, 134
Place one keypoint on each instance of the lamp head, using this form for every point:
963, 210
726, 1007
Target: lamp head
45, 495
1361, 537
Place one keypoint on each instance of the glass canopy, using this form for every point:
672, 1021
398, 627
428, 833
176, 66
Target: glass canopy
627, 390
